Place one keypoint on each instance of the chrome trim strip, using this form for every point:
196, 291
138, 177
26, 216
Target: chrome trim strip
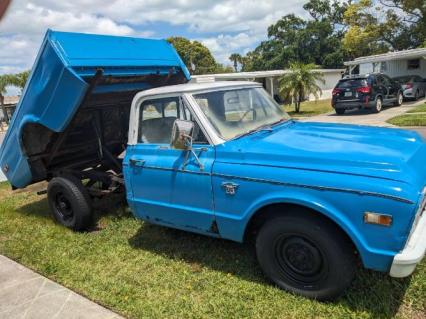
322, 188
169, 169
273, 182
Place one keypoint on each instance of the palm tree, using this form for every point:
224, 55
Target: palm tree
300, 82
235, 59
19, 80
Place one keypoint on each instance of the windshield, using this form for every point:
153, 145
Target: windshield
239, 111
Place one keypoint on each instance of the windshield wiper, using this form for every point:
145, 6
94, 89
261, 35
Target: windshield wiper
265, 127
279, 121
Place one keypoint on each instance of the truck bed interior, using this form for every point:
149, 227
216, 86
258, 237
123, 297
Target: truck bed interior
97, 134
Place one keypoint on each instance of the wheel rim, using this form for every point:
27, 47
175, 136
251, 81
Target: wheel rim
400, 99
63, 207
300, 260
379, 105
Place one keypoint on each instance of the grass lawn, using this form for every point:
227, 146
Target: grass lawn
310, 108
418, 109
408, 119
141, 270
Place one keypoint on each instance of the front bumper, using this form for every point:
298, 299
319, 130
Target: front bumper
405, 262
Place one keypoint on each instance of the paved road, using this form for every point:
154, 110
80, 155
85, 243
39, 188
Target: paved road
365, 117
26, 294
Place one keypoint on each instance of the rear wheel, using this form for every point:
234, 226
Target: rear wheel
399, 99
306, 255
378, 105
340, 111
416, 95
70, 203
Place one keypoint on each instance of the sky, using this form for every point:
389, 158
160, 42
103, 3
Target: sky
224, 26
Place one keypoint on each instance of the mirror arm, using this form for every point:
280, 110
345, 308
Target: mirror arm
191, 150
197, 159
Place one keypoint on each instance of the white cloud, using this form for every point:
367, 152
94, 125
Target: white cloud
224, 26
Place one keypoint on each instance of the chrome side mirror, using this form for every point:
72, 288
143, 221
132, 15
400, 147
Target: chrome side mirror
182, 135
182, 140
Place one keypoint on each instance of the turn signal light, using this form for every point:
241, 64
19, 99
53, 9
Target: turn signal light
378, 219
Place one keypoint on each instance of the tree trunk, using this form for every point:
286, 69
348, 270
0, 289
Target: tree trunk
297, 104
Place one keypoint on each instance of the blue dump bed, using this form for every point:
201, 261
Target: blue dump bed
77, 98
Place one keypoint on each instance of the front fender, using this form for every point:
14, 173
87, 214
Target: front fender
234, 227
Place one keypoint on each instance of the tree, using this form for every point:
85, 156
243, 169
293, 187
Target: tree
220, 68
235, 59
20, 79
197, 58
377, 26
316, 40
300, 82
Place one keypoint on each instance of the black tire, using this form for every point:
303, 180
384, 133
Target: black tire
306, 255
416, 95
70, 203
377, 108
340, 111
399, 99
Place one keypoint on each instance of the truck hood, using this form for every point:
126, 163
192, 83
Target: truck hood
382, 153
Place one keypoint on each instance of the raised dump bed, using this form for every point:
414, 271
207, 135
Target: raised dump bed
74, 111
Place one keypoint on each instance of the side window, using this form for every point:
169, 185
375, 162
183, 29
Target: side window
156, 118
413, 64
386, 80
371, 80
198, 135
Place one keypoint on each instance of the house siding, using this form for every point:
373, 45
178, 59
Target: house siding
395, 68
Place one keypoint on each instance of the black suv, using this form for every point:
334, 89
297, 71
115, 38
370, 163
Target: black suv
370, 91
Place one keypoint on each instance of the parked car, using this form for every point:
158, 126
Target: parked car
413, 86
220, 159
370, 91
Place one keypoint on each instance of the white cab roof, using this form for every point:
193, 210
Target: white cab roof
194, 87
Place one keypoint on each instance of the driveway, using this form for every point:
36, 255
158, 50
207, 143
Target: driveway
365, 117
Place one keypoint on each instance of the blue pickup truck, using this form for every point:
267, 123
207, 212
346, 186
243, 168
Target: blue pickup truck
103, 114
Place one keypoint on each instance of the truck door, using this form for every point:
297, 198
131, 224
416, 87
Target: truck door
168, 188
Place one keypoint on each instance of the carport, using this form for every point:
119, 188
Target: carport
398, 63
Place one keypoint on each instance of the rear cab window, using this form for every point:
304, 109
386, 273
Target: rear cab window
352, 83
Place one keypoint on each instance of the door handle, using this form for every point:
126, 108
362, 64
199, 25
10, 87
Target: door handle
136, 161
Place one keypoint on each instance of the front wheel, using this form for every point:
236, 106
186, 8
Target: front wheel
340, 111
70, 203
306, 255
